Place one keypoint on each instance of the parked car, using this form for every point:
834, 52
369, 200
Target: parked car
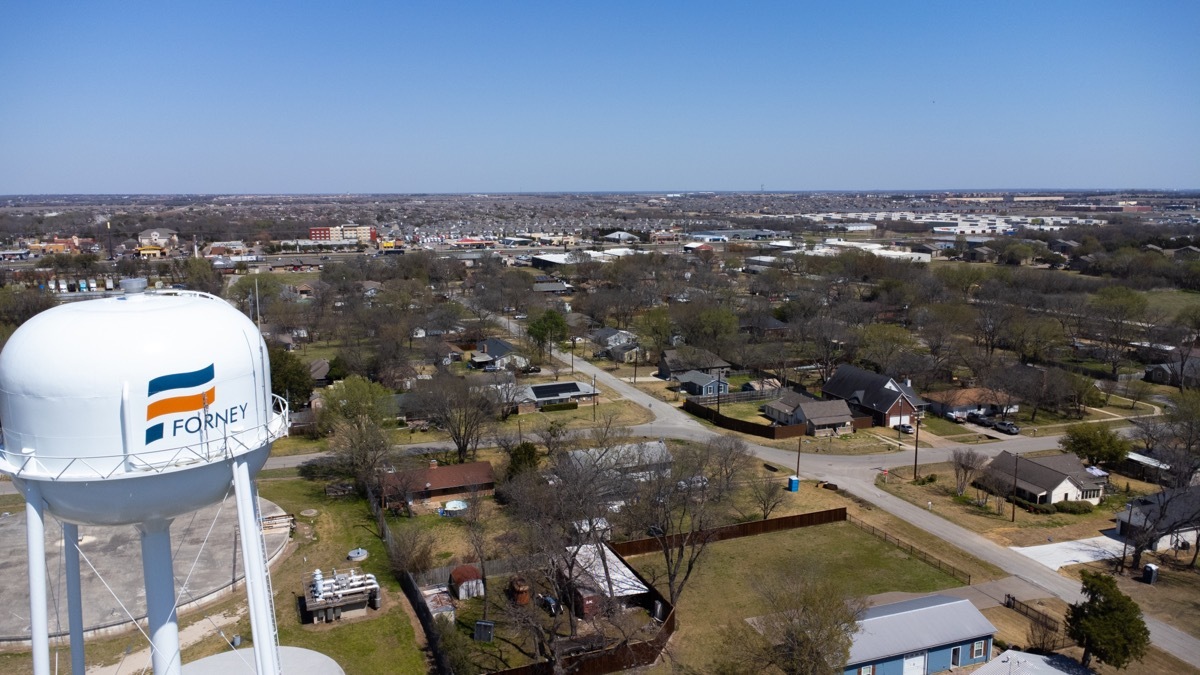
904, 428
531, 369
985, 422
954, 417
521, 316
1008, 428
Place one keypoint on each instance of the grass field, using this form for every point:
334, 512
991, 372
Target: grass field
1172, 302
720, 591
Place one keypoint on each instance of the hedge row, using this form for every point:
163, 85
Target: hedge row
569, 405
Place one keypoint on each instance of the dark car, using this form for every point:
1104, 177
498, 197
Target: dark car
1008, 428
531, 369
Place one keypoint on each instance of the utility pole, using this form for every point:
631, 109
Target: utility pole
916, 443
1016, 462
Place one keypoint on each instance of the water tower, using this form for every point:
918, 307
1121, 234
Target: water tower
135, 410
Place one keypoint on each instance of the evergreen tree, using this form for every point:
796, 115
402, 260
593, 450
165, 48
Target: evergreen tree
1108, 624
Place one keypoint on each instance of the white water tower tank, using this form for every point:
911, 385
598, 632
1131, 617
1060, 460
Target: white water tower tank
152, 387
135, 410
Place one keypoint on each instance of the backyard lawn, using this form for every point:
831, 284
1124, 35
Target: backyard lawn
720, 591
1175, 598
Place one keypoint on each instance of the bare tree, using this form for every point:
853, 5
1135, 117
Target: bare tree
678, 508
767, 493
554, 436
967, 465
361, 448
730, 458
464, 410
807, 629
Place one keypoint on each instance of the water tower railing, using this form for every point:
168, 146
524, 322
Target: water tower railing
152, 461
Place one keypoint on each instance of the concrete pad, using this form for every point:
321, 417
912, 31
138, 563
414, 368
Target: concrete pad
1065, 553
207, 564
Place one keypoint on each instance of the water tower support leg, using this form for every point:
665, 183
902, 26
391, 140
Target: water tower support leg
74, 597
35, 540
160, 597
254, 560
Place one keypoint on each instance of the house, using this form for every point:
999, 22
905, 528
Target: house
980, 254
697, 383
762, 325
1186, 253
553, 287
596, 572
627, 353
1179, 525
497, 353
674, 362
538, 395
1049, 480
1013, 662
960, 402
823, 418
885, 400
436, 481
318, 370
606, 338
1065, 247
930, 634
1169, 373
633, 460
161, 237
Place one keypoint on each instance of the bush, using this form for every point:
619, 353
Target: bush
1074, 507
927, 479
1042, 509
569, 405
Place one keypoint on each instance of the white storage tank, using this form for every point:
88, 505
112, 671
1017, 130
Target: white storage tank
169, 382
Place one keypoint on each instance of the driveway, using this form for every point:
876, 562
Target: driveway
1065, 553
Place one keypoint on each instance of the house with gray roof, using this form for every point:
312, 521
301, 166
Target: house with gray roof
885, 400
674, 362
497, 353
697, 383
822, 418
1049, 480
930, 634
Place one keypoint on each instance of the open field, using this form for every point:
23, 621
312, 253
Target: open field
721, 591
1171, 302
1029, 529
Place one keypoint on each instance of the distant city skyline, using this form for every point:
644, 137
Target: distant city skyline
373, 97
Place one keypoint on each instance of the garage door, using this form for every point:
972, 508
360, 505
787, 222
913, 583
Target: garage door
914, 663
893, 420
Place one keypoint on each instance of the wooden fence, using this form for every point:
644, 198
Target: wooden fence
912, 550
748, 529
743, 426
1047, 630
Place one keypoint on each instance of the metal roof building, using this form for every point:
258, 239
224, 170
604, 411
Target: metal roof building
927, 634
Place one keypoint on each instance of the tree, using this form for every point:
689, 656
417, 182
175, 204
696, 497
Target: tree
1094, 442
360, 446
767, 493
967, 465
547, 329
522, 457
356, 397
1108, 624
463, 409
807, 629
678, 508
290, 377
1117, 313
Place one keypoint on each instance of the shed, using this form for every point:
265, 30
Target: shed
466, 582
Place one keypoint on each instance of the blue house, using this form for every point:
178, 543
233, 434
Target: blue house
924, 635
697, 383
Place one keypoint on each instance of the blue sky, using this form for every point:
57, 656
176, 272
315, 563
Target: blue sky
296, 97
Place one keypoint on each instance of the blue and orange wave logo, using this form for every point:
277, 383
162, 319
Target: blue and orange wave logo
178, 403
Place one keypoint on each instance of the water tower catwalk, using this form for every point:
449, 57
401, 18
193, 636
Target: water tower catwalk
168, 406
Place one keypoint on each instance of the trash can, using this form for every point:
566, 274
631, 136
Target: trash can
1150, 573
793, 483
